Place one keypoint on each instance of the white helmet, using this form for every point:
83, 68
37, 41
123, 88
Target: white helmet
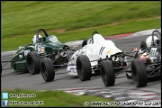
149, 41
35, 38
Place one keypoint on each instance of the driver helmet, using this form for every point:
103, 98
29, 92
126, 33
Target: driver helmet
35, 38
149, 41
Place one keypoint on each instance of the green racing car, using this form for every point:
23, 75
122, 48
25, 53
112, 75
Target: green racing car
28, 58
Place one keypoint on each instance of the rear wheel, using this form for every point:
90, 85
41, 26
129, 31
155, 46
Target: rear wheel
47, 70
139, 73
84, 68
107, 73
33, 62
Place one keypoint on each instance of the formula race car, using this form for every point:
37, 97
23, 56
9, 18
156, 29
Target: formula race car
88, 59
147, 62
141, 64
43, 49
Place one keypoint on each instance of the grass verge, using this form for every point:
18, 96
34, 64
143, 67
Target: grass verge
12, 43
24, 17
51, 98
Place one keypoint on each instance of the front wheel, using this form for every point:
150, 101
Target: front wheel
107, 73
84, 68
139, 73
47, 70
33, 62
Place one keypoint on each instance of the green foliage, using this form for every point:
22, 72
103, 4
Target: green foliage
74, 20
133, 26
24, 17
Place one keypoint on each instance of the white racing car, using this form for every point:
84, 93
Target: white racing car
90, 58
97, 55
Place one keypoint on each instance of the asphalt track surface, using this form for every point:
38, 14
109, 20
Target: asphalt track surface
11, 79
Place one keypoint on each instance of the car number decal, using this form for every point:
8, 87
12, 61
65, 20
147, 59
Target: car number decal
73, 68
153, 52
101, 50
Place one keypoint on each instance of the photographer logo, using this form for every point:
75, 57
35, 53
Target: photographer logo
5, 95
4, 102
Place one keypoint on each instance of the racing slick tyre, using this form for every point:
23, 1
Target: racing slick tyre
33, 62
139, 72
83, 68
107, 73
84, 43
47, 69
